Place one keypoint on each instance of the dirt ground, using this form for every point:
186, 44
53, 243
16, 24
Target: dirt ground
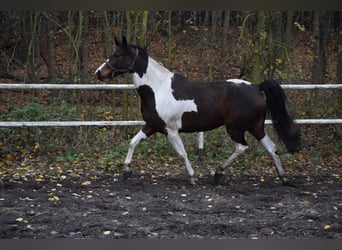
166, 207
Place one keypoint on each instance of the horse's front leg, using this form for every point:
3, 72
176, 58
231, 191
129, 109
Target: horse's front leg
134, 142
176, 142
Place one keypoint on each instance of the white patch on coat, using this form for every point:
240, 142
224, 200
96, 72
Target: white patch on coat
159, 79
238, 81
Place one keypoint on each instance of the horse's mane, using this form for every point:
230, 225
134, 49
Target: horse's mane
179, 77
142, 52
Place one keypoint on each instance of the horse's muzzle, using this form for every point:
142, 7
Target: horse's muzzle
98, 75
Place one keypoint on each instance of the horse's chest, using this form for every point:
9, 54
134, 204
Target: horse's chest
161, 104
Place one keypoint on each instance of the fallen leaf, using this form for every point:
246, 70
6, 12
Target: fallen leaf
86, 183
10, 158
327, 227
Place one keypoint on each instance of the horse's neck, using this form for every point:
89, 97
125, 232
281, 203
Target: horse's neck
156, 74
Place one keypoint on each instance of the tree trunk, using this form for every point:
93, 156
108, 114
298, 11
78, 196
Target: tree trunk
51, 44
226, 26
270, 36
107, 35
33, 49
274, 31
143, 38
84, 48
339, 57
128, 25
169, 42
317, 62
258, 47
72, 54
212, 45
339, 70
126, 96
48, 46
320, 33
287, 41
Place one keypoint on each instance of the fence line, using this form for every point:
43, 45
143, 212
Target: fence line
135, 123
65, 86
132, 123
131, 86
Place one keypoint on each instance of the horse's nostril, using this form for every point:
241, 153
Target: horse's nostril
98, 75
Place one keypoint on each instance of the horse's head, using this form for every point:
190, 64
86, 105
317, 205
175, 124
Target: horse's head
126, 58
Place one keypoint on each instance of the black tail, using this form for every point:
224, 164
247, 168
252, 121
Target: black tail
283, 123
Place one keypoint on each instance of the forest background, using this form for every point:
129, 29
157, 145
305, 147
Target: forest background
67, 46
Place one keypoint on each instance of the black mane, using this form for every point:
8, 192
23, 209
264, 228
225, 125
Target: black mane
142, 52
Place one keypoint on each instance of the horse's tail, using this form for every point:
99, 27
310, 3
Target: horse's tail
283, 123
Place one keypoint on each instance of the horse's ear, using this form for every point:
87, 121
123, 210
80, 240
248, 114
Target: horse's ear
124, 41
117, 43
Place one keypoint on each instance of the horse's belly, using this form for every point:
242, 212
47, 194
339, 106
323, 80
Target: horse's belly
193, 122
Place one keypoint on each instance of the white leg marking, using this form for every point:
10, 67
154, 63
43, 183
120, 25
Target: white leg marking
271, 149
239, 149
176, 142
200, 139
134, 142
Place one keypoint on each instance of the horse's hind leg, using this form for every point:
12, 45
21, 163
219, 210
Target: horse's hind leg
176, 142
272, 150
239, 149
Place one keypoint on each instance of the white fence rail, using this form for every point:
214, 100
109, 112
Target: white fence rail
131, 86
135, 123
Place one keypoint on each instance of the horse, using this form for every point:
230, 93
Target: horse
171, 104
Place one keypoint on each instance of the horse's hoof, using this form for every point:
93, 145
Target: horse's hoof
218, 176
193, 180
126, 174
287, 183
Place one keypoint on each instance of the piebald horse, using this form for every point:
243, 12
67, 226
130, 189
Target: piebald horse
171, 104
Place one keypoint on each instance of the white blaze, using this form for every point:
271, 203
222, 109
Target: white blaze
101, 66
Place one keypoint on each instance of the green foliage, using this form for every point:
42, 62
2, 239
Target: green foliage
30, 112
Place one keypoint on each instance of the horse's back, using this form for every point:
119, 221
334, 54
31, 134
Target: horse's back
219, 103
